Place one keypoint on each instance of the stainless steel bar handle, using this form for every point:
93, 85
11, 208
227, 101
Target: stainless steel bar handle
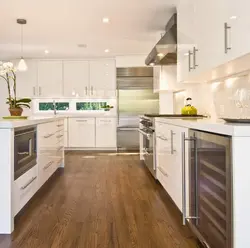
60, 148
48, 136
144, 133
59, 136
59, 125
48, 165
226, 28
30, 182
162, 138
34, 91
40, 91
92, 89
189, 61
195, 50
86, 90
24, 133
184, 200
81, 121
162, 171
172, 142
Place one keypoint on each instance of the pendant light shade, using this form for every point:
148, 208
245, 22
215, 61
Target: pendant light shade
22, 66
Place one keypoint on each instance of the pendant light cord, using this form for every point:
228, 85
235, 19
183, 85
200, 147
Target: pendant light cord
21, 40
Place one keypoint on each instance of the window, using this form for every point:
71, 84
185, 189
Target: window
60, 106
82, 106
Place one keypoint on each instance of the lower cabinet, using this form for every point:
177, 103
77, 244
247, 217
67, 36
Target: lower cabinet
169, 151
105, 132
81, 132
92, 133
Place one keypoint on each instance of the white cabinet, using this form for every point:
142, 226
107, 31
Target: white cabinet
50, 78
102, 77
157, 78
81, 132
76, 78
27, 80
169, 151
106, 132
210, 34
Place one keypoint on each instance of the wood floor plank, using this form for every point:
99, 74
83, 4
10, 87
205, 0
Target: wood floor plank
100, 201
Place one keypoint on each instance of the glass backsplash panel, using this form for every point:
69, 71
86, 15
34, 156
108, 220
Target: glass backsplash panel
46, 106
81, 106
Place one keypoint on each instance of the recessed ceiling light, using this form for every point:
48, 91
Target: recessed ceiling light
105, 20
46, 51
106, 50
186, 54
82, 45
160, 54
152, 64
233, 17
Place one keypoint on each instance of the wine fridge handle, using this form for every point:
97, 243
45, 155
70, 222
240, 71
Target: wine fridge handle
184, 200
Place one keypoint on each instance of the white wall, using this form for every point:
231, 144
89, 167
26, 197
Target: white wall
131, 61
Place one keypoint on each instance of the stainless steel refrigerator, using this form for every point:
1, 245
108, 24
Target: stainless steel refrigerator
135, 98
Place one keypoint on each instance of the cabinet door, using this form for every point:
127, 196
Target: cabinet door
102, 77
76, 78
81, 132
239, 22
27, 80
106, 132
50, 78
186, 34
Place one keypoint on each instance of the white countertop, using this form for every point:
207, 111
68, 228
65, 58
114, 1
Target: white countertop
210, 125
35, 120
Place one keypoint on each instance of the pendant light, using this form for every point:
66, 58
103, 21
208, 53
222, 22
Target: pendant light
22, 66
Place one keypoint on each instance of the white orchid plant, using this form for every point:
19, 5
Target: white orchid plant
8, 73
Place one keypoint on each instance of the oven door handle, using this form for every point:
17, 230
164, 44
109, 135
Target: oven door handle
144, 133
24, 133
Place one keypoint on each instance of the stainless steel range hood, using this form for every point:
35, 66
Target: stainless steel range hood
165, 51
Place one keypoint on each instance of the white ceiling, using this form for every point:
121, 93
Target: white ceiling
59, 25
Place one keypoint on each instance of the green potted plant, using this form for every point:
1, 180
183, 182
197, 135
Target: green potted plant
8, 73
107, 107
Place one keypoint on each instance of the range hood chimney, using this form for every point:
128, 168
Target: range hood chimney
165, 51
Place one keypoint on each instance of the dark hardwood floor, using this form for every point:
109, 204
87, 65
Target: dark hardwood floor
100, 201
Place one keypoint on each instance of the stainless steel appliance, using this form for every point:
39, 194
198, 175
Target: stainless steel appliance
25, 152
210, 178
165, 51
147, 131
135, 97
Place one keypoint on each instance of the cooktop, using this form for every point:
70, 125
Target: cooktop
174, 115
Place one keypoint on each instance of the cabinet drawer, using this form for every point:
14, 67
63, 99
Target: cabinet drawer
162, 130
24, 188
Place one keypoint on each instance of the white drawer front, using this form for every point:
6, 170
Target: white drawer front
24, 188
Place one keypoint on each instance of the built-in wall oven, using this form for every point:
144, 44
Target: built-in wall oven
209, 181
148, 143
25, 150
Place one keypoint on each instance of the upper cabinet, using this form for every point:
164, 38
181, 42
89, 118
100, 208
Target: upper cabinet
27, 80
210, 34
76, 78
102, 77
50, 78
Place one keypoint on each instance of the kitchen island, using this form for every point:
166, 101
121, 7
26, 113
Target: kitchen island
31, 151
204, 166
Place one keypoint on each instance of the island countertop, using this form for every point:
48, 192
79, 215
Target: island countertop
210, 125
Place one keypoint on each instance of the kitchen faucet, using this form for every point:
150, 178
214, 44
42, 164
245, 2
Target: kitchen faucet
54, 105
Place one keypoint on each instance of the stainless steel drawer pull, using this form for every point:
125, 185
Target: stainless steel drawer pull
59, 136
30, 182
48, 136
162, 138
162, 171
48, 165
60, 125
60, 148
189, 61
195, 50
82, 120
